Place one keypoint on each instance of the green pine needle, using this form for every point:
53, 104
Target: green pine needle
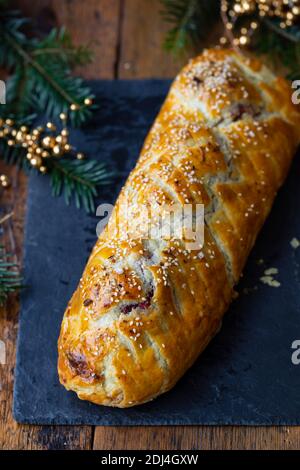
281, 49
78, 179
10, 279
190, 20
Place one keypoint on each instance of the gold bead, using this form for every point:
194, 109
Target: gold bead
14, 132
19, 136
45, 154
36, 161
4, 181
48, 141
23, 129
10, 142
56, 150
63, 116
65, 132
36, 132
88, 101
243, 40
50, 126
1, 134
9, 122
43, 169
29, 156
38, 150
74, 107
80, 156
67, 147
59, 139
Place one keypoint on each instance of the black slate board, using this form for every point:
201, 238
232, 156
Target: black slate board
245, 376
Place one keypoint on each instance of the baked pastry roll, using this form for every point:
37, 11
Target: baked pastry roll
144, 308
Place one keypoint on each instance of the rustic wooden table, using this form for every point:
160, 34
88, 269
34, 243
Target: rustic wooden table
126, 37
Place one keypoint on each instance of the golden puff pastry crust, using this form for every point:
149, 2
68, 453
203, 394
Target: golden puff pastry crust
145, 309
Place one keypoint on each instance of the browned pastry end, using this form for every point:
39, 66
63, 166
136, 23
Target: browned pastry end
145, 309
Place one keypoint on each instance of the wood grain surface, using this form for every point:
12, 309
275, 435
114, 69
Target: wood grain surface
126, 37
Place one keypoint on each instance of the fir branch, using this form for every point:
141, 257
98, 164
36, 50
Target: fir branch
10, 279
190, 20
41, 80
79, 180
47, 85
59, 43
76, 179
279, 50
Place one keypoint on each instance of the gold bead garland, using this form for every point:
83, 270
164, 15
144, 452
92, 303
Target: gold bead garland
41, 143
286, 11
4, 181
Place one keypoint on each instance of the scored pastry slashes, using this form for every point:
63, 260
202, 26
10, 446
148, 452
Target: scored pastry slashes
145, 309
